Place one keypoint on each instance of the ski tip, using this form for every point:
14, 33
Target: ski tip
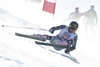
16, 33
2, 25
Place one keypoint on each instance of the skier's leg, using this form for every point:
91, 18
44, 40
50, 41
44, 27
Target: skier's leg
56, 40
33, 36
40, 36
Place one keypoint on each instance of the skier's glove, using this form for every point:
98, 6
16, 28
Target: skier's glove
51, 30
67, 51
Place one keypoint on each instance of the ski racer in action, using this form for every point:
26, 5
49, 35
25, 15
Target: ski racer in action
67, 36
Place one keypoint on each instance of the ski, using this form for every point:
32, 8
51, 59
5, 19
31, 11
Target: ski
29, 36
61, 54
50, 44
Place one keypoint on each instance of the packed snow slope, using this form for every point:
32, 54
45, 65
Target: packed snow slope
20, 15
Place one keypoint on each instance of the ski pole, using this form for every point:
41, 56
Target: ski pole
24, 27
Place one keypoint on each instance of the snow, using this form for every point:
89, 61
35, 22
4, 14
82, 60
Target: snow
22, 52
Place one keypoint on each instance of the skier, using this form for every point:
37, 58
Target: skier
74, 16
67, 36
91, 20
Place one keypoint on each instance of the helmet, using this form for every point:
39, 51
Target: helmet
74, 24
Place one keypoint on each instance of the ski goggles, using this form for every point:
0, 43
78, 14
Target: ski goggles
73, 28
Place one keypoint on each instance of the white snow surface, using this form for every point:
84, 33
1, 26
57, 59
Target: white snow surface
23, 52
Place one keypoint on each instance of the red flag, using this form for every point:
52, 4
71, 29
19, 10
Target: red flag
49, 6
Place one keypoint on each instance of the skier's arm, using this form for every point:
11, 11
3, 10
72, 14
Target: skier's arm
96, 18
60, 27
51, 30
74, 44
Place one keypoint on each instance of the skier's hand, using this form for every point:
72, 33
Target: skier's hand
67, 51
51, 30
